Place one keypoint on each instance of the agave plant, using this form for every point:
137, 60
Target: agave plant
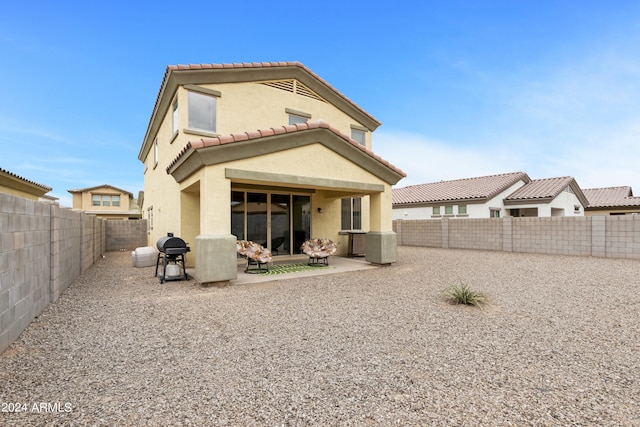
463, 294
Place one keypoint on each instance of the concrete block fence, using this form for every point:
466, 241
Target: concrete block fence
616, 236
43, 248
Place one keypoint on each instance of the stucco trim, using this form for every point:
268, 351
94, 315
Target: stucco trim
192, 159
301, 181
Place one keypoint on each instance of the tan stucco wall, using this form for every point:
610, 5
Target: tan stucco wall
251, 106
16, 187
85, 200
19, 193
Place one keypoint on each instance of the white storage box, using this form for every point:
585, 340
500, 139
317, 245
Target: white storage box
144, 257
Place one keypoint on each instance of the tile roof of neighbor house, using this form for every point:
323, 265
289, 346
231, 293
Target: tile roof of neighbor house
478, 188
611, 197
27, 181
83, 190
265, 133
546, 188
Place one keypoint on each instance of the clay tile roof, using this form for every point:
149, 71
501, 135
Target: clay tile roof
42, 186
279, 130
611, 197
546, 188
83, 190
479, 188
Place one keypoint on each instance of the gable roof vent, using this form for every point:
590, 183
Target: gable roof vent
294, 86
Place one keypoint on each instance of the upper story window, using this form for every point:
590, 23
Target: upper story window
293, 119
105, 200
155, 153
202, 111
174, 128
296, 116
351, 217
359, 134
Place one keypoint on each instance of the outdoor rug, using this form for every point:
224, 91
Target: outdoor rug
291, 268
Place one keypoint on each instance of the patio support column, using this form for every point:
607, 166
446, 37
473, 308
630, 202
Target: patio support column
216, 260
381, 241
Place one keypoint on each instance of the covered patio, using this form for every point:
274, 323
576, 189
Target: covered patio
279, 188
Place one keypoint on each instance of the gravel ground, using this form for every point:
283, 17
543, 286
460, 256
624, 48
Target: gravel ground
558, 344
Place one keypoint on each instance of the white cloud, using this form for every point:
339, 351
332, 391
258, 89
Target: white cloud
425, 160
579, 118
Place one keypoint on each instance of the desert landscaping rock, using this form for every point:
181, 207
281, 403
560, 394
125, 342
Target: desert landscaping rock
558, 344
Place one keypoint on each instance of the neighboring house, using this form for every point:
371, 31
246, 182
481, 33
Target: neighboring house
494, 196
106, 201
267, 152
611, 201
15, 185
546, 197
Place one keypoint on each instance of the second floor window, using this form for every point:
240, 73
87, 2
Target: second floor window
175, 117
293, 119
358, 136
202, 112
105, 200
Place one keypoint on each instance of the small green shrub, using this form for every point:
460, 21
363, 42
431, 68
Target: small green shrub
463, 294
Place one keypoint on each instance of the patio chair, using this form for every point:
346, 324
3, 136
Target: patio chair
319, 251
255, 254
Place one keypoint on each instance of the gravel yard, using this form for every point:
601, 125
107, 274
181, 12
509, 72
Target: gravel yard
558, 344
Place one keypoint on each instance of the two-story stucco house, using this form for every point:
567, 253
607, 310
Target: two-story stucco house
268, 152
494, 196
105, 201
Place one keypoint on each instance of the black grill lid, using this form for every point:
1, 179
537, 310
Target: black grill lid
172, 245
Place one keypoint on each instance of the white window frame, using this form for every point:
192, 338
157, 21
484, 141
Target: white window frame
359, 135
174, 116
197, 123
355, 214
155, 152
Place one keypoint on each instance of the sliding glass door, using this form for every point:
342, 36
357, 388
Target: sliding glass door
278, 221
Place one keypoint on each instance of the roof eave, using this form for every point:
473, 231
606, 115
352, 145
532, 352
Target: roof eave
192, 159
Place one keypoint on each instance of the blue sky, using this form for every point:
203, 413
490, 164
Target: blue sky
462, 88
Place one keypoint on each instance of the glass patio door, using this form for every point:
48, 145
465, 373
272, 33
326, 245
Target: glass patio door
257, 218
279, 222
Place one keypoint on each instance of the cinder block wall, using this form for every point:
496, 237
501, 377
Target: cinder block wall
24, 264
601, 236
43, 248
126, 235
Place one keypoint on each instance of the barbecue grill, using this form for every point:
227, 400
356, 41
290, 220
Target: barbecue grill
171, 252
